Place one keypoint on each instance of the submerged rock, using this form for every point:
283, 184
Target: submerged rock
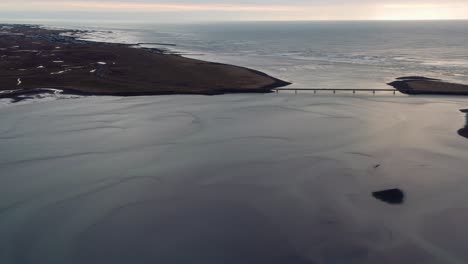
391, 196
424, 85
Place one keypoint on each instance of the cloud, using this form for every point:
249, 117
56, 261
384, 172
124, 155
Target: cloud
143, 6
427, 10
249, 9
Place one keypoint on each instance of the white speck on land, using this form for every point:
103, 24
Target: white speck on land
102, 63
40, 67
92, 71
59, 72
57, 61
19, 81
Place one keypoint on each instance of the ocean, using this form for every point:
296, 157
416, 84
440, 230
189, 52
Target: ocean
316, 54
248, 178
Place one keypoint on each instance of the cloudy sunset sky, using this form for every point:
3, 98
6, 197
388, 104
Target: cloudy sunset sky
211, 10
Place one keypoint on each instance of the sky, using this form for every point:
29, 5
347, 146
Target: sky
233, 10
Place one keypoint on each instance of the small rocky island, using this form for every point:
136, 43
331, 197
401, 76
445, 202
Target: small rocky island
36, 60
423, 85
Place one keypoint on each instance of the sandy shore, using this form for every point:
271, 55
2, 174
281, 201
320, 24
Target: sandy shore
32, 57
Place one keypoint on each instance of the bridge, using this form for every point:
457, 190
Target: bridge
315, 90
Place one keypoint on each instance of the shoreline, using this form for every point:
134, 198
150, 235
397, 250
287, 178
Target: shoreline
34, 59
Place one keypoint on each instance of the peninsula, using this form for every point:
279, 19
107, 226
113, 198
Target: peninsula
34, 59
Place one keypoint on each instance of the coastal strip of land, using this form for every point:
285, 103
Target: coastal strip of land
424, 85
34, 59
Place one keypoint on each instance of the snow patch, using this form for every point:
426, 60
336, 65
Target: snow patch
60, 72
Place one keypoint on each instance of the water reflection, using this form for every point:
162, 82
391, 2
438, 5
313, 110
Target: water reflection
464, 131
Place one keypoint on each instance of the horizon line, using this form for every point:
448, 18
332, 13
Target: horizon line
227, 21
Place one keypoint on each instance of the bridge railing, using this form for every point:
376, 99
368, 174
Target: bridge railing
315, 90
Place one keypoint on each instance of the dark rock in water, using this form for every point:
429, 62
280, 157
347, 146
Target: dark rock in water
391, 196
424, 85
464, 131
